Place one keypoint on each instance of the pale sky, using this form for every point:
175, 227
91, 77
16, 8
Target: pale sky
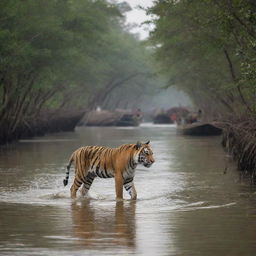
138, 16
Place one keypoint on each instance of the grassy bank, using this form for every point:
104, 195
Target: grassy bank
239, 138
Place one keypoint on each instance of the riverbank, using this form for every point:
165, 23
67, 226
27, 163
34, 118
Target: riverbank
239, 139
238, 136
39, 126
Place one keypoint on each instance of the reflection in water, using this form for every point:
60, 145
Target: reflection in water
104, 228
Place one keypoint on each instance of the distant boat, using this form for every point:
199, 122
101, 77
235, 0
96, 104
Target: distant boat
108, 118
199, 129
162, 119
128, 120
170, 115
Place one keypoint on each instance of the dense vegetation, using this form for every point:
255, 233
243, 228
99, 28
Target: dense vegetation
208, 49
59, 58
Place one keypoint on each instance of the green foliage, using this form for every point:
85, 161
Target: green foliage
64, 55
207, 48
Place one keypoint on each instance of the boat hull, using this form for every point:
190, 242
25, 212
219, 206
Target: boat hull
199, 129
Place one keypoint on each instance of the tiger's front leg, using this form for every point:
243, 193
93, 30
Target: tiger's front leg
119, 186
130, 188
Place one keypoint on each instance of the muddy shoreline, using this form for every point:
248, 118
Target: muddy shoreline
46, 123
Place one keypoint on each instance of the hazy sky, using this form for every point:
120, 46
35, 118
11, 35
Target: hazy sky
138, 16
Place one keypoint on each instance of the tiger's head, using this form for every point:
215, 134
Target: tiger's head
144, 154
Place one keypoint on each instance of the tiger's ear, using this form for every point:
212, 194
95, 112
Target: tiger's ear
138, 145
147, 142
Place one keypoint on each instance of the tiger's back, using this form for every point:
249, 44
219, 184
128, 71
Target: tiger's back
96, 160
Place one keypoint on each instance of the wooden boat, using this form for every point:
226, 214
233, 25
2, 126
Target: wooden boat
108, 118
101, 118
128, 120
199, 129
162, 119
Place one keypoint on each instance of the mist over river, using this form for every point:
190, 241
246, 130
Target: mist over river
192, 201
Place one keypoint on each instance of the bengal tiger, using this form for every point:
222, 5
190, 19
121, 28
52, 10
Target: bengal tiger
104, 162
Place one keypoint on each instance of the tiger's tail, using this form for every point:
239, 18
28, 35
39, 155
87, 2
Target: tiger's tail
65, 181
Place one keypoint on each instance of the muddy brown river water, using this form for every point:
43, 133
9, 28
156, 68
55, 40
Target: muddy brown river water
186, 204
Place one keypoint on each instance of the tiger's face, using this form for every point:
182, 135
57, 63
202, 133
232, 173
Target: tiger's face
145, 155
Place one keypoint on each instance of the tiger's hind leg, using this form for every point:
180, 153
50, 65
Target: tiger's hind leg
80, 173
88, 180
76, 185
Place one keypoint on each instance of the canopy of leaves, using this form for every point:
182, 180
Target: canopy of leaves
65, 55
207, 48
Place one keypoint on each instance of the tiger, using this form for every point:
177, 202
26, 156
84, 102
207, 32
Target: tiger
104, 162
